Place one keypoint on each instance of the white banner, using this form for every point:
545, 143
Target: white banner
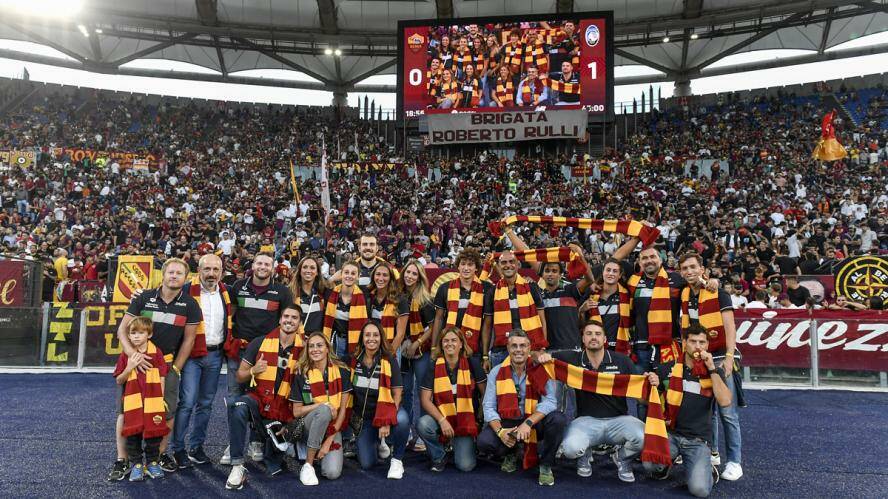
505, 126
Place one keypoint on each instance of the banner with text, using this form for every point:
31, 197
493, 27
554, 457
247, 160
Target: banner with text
12, 283
506, 126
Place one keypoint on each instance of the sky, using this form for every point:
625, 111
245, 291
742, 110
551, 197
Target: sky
827, 70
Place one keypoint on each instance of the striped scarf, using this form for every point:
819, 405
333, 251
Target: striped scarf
432, 82
200, 340
329, 393
675, 392
273, 403
415, 326
471, 320
450, 91
656, 442
460, 412
625, 323
527, 94
527, 312
505, 92
507, 405
471, 98
144, 411
575, 266
388, 320
357, 315
535, 55
564, 87
629, 227
709, 316
386, 411
513, 56
659, 317
462, 59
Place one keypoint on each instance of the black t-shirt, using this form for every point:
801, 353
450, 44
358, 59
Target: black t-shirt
257, 313
312, 311
464, 296
694, 418
798, 296
765, 255
251, 353
168, 319
365, 278
375, 308
340, 320
365, 383
301, 391
562, 317
641, 304
475, 369
593, 404
786, 265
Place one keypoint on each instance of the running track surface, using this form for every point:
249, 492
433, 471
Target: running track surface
56, 440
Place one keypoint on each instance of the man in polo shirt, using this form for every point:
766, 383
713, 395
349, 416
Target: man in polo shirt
200, 378
175, 316
467, 264
257, 304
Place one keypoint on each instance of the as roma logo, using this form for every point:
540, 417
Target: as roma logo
416, 42
863, 277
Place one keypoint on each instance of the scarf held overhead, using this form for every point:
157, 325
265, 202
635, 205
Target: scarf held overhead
631, 228
143, 411
575, 266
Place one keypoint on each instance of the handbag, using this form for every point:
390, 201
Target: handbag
356, 423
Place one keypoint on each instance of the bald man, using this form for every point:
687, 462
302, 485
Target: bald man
200, 377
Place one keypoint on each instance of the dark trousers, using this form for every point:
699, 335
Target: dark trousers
134, 448
550, 431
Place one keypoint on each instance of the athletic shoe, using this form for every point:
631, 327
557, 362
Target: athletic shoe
396, 469
584, 463
155, 470
198, 456
307, 475
624, 468
732, 472
236, 478
419, 445
662, 474
438, 466
182, 460
256, 451
383, 450
714, 475
715, 458
226, 456
547, 478
273, 468
137, 474
119, 470
349, 448
167, 463
510, 463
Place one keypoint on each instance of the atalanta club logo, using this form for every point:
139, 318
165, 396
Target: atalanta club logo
863, 277
592, 35
416, 42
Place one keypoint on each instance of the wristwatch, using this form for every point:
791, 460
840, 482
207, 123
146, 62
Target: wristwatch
528, 422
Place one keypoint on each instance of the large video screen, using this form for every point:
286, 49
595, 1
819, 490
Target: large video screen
506, 62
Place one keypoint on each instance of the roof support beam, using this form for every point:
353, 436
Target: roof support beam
154, 48
221, 58
95, 44
826, 27
327, 14
378, 69
874, 5
34, 37
283, 60
444, 8
642, 60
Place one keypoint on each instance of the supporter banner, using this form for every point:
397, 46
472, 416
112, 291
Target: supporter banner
12, 283
23, 159
781, 338
504, 126
862, 277
89, 291
102, 345
365, 166
125, 159
133, 272
62, 335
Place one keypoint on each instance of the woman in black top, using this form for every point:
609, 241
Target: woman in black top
308, 288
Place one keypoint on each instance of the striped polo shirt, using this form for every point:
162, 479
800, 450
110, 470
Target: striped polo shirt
168, 319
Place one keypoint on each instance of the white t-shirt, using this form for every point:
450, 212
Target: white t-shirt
738, 301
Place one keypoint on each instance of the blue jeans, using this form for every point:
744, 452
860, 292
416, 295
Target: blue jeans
412, 379
244, 416
695, 455
730, 419
463, 447
200, 380
369, 439
586, 431
645, 355
340, 347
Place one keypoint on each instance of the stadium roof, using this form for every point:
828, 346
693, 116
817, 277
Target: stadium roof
229, 36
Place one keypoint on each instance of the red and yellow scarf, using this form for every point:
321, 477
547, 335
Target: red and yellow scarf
656, 442
273, 404
388, 319
564, 87
471, 320
357, 315
329, 393
200, 340
505, 92
415, 326
473, 97
675, 392
459, 410
144, 411
709, 315
386, 411
623, 346
512, 56
631, 228
527, 311
659, 317
527, 94
575, 266
535, 55
507, 405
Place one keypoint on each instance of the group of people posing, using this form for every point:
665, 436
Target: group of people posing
521, 372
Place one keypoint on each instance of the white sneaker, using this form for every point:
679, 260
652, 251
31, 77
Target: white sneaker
715, 459
733, 471
383, 449
624, 468
226, 456
236, 478
256, 451
396, 469
307, 475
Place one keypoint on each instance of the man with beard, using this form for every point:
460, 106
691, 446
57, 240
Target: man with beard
257, 306
175, 317
368, 249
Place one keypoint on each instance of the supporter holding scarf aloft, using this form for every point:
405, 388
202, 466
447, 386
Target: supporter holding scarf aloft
632, 228
695, 386
321, 396
517, 304
714, 311
346, 312
448, 395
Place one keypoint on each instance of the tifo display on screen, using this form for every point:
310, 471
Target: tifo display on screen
506, 63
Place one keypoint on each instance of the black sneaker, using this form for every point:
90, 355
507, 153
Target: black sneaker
198, 456
438, 466
182, 460
349, 449
119, 471
167, 463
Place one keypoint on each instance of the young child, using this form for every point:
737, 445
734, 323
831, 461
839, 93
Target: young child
142, 400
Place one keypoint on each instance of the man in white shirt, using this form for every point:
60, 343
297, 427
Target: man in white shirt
200, 376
